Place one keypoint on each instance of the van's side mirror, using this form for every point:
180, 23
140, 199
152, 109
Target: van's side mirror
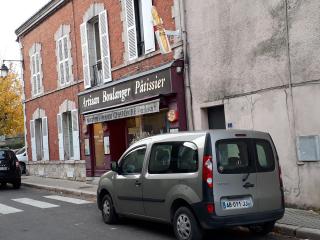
114, 166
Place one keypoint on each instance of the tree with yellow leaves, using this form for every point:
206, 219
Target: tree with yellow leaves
11, 110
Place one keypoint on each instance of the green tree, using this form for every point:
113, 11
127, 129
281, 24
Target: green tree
11, 110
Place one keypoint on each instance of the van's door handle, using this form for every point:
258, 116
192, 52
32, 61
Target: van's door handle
138, 183
248, 185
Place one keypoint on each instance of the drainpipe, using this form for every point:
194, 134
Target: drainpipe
188, 91
23, 98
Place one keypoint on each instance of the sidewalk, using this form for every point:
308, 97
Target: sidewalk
298, 223
61, 186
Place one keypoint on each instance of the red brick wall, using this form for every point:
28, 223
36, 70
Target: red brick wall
44, 34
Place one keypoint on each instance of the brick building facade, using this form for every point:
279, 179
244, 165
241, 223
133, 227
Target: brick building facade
76, 49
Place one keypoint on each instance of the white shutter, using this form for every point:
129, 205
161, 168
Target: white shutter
85, 55
33, 141
105, 48
148, 33
60, 136
131, 30
45, 135
75, 135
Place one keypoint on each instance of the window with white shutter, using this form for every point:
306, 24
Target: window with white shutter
35, 69
95, 48
63, 61
131, 29
60, 137
33, 141
104, 45
139, 28
75, 129
85, 55
45, 138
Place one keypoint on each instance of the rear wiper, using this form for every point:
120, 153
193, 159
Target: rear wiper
246, 177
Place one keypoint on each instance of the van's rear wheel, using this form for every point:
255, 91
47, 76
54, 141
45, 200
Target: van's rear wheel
186, 226
109, 214
262, 229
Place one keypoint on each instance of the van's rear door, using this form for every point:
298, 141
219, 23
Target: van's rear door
268, 181
234, 174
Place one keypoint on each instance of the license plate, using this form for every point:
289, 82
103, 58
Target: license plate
236, 203
3, 168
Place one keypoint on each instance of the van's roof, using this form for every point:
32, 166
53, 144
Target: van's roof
196, 134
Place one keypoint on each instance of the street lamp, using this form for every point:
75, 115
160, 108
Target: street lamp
4, 70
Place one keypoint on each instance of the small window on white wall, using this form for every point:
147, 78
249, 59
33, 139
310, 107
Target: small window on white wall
63, 53
36, 69
308, 148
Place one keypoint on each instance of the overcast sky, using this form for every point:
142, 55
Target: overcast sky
13, 14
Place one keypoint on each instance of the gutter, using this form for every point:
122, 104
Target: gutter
188, 91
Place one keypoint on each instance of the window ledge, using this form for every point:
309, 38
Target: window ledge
60, 88
144, 57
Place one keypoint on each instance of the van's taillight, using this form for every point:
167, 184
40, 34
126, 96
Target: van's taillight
207, 174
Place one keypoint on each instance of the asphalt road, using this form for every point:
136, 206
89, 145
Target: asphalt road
69, 221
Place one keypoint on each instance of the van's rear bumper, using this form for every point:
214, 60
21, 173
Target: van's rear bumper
211, 221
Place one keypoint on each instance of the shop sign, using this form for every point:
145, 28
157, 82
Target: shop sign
124, 112
124, 92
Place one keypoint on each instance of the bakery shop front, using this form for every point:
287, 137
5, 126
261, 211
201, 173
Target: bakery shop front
122, 112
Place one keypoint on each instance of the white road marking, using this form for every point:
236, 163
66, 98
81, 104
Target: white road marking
4, 209
35, 203
67, 199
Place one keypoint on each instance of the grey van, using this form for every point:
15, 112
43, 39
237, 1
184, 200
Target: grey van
197, 181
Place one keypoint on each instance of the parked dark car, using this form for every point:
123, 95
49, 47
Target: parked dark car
9, 168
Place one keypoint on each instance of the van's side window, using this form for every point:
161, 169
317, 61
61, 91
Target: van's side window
132, 163
173, 157
233, 156
265, 156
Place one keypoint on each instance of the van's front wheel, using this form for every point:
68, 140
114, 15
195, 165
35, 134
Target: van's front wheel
109, 214
186, 226
262, 229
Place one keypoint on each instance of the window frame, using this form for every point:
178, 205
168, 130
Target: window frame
251, 158
170, 166
129, 152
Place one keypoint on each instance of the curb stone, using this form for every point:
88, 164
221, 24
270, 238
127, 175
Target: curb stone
296, 231
61, 190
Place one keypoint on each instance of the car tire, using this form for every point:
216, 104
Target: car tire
185, 225
17, 184
108, 212
262, 229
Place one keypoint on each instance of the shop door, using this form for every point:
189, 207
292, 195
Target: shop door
99, 162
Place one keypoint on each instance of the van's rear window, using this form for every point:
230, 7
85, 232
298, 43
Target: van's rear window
233, 156
264, 155
244, 156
